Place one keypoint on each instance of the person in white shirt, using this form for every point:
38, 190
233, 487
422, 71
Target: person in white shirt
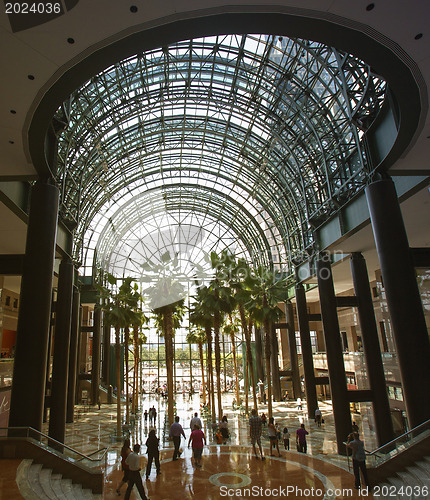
195, 421
318, 417
134, 477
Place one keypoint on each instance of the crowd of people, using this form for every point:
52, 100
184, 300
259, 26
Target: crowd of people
131, 461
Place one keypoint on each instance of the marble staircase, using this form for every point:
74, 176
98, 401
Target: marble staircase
411, 484
38, 483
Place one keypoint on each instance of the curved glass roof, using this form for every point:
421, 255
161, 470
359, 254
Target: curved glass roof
239, 141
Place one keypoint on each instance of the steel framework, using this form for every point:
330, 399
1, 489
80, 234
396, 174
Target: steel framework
239, 141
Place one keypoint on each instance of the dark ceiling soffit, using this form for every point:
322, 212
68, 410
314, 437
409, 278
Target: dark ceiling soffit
11, 265
15, 195
381, 58
333, 231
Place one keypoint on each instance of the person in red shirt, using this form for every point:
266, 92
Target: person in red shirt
198, 440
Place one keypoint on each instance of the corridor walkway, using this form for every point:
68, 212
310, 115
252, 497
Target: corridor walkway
230, 470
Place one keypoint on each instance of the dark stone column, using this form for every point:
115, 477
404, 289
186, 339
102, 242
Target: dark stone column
259, 353
336, 367
403, 298
95, 361
60, 367
73, 356
274, 356
292, 348
372, 350
106, 353
305, 341
28, 390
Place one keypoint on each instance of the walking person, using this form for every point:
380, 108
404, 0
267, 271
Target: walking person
301, 434
153, 453
198, 440
299, 404
145, 416
358, 460
134, 477
318, 417
125, 452
176, 431
273, 436
195, 421
255, 426
286, 436
223, 427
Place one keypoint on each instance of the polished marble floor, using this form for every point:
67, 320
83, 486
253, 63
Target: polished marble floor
228, 471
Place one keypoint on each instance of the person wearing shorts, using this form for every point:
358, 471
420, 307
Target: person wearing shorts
198, 440
255, 426
273, 436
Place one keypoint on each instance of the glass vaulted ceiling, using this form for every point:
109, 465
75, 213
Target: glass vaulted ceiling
244, 142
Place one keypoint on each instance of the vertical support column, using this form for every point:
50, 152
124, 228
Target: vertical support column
305, 341
292, 348
274, 356
95, 362
28, 390
372, 350
106, 353
73, 356
403, 298
336, 367
60, 367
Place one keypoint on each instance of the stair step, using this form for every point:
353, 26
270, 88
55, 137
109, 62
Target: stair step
57, 488
34, 481
387, 487
424, 466
421, 476
45, 482
67, 487
77, 492
395, 481
408, 478
87, 494
22, 481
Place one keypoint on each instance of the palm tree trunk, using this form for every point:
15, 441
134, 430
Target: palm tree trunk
208, 378
251, 367
245, 387
247, 334
118, 381
211, 377
135, 367
268, 367
168, 338
202, 366
217, 326
236, 378
127, 394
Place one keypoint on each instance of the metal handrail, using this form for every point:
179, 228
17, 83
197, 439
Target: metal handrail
398, 438
83, 457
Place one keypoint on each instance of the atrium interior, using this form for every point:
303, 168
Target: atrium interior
214, 211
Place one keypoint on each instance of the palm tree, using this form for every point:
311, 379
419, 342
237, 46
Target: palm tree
200, 316
167, 303
117, 304
198, 336
267, 292
242, 295
217, 301
231, 329
138, 339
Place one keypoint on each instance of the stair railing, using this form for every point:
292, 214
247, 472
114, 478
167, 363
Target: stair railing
57, 444
396, 446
